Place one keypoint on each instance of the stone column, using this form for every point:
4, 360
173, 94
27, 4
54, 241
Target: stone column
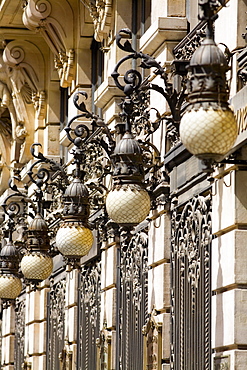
229, 274
8, 337
36, 326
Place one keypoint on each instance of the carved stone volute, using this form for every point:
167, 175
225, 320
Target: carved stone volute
53, 22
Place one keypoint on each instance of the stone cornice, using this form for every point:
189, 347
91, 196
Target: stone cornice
106, 91
164, 29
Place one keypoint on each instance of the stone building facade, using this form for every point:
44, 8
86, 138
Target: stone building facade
172, 295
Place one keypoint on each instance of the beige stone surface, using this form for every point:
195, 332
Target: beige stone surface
33, 337
8, 321
229, 259
42, 337
38, 362
43, 303
71, 294
71, 324
51, 146
166, 342
108, 308
105, 93
73, 349
33, 306
8, 345
159, 287
109, 267
168, 8
237, 358
159, 239
163, 29
229, 320
229, 201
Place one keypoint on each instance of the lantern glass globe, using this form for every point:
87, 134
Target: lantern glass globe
74, 241
128, 205
208, 133
10, 286
36, 266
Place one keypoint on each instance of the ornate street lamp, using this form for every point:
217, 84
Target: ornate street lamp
128, 202
74, 238
10, 282
208, 128
37, 262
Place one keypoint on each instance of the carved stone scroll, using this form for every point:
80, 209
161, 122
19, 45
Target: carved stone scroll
101, 13
153, 340
22, 95
104, 349
53, 22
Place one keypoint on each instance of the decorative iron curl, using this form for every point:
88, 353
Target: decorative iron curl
12, 208
82, 132
43, 174
134, 83
132, 77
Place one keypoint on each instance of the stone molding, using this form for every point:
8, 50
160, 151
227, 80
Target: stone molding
22, 94
54, 25
106, 91
101, 13
164, 29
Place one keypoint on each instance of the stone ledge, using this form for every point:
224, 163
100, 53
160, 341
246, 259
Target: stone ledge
229, 322
105, 92
164, 29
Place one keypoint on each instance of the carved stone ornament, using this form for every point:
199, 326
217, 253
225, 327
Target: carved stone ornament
65, 359
101, 13
26, 365
22, 100
20, 332
49, 20
222, 363
152, 333
103, 344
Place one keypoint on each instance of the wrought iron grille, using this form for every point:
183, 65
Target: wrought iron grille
19, 333
89, 316
133, 301
191, 285
55, 324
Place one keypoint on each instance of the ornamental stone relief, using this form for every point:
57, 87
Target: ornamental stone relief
103, 343
22, 98
101, 13
152, 333
19, 333
53, 23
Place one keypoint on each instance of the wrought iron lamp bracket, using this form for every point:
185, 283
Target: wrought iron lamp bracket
135, 85
13, 210
43, 177
83, 137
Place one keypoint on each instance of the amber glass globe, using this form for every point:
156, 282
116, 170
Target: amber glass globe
36, 266
10, 286
74, 241
128, 205
208, 133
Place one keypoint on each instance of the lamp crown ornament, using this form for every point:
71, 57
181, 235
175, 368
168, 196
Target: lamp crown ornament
208, 128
